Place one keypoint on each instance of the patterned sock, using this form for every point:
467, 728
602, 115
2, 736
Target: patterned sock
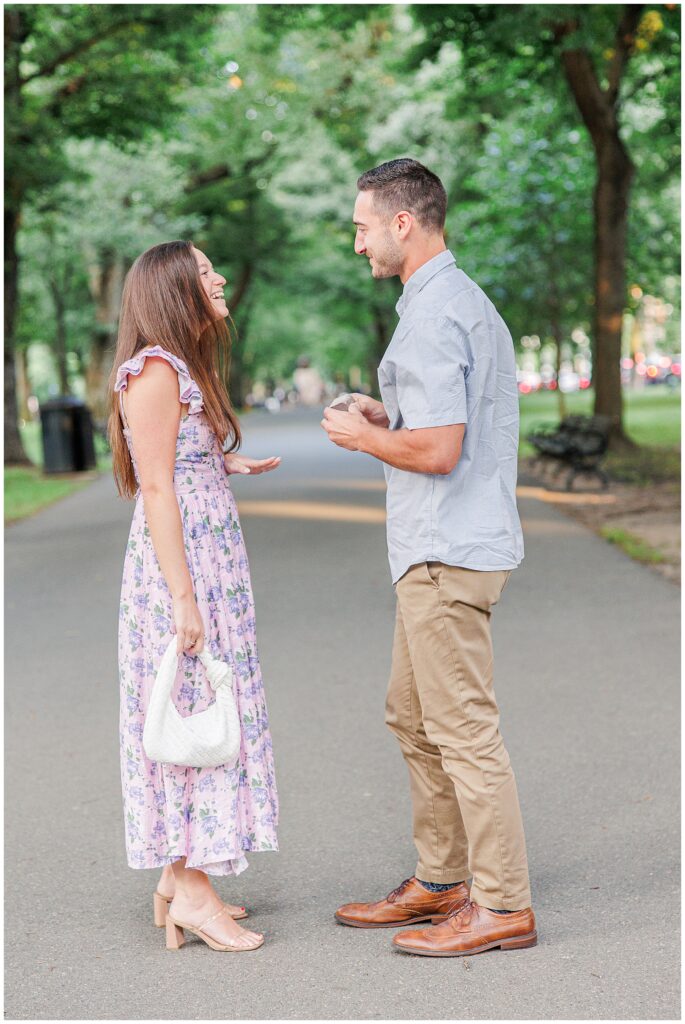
437, 886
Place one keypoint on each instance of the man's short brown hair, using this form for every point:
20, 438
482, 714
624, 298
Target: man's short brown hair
406, 184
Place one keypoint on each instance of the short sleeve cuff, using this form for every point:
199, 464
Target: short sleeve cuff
424, 422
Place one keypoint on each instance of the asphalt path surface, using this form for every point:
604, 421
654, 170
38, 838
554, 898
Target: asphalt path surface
587, 676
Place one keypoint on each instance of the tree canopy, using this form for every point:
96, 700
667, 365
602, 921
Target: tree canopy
245, 128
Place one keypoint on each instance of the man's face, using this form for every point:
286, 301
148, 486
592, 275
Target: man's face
374, 238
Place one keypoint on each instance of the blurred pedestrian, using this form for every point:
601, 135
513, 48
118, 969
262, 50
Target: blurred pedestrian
308, 383
447, 433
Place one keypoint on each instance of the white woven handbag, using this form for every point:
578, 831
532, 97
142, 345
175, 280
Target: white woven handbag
206, 740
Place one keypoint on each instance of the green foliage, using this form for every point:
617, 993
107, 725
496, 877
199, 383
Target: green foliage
523, 219
245, 127
92, 71
135, 194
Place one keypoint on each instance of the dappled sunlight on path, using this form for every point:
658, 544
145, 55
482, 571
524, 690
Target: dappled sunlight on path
312, 510
338, 512
565, 497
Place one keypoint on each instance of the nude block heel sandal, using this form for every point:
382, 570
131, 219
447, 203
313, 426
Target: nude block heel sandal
175, 937
160, 906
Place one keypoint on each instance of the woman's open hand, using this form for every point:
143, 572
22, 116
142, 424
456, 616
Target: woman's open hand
241, 464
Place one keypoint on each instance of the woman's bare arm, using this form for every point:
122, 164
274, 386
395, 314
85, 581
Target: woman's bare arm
153, 412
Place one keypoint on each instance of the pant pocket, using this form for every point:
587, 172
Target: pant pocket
434, 570
506, 573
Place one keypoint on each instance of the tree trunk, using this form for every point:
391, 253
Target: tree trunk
240, 299
106, 278
237, 388
614, 177
558, 341
554, 302
60, 336
241, 287
14, 449
598, 108
97, 371
382, 332
23, 383
14, 33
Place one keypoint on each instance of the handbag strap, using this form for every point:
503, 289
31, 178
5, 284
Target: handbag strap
218, 672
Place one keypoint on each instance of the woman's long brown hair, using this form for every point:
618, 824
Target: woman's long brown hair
165, 304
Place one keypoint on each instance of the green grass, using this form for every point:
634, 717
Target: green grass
652, 416
28, 491
632, 545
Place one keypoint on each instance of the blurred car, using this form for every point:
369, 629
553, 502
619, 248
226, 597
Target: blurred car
569, 381
548, 377
673, 378
660, 369
652, 369
528, 381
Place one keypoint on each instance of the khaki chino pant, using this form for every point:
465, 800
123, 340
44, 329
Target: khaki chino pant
441, 706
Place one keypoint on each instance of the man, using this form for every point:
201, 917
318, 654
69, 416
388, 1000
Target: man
447, 433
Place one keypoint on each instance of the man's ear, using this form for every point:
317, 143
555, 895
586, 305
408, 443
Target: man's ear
403, 223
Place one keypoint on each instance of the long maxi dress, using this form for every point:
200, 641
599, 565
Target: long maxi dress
211, 816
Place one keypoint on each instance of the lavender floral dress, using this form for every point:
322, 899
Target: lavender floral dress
211, 816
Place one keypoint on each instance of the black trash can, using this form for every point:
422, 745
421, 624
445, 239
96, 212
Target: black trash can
67, 426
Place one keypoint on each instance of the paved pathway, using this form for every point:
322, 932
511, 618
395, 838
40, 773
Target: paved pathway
587, 679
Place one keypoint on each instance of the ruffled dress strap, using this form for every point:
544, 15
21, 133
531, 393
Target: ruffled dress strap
188, 391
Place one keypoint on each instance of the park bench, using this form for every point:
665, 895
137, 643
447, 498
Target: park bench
579, 442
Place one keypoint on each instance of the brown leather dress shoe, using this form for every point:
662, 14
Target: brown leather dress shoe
409, 903
472, 929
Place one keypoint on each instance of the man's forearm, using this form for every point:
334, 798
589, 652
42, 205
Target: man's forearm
403, 449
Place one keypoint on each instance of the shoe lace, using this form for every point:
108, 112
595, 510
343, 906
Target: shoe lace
466, 909
399, 890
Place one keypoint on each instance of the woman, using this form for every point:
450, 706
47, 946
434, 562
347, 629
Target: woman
186, 572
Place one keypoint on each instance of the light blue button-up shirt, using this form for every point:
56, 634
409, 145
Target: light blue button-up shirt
451, 360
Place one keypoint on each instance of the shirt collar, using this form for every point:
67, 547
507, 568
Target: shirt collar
420, 278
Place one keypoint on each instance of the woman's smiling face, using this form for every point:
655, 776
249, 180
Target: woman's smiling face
212, 282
